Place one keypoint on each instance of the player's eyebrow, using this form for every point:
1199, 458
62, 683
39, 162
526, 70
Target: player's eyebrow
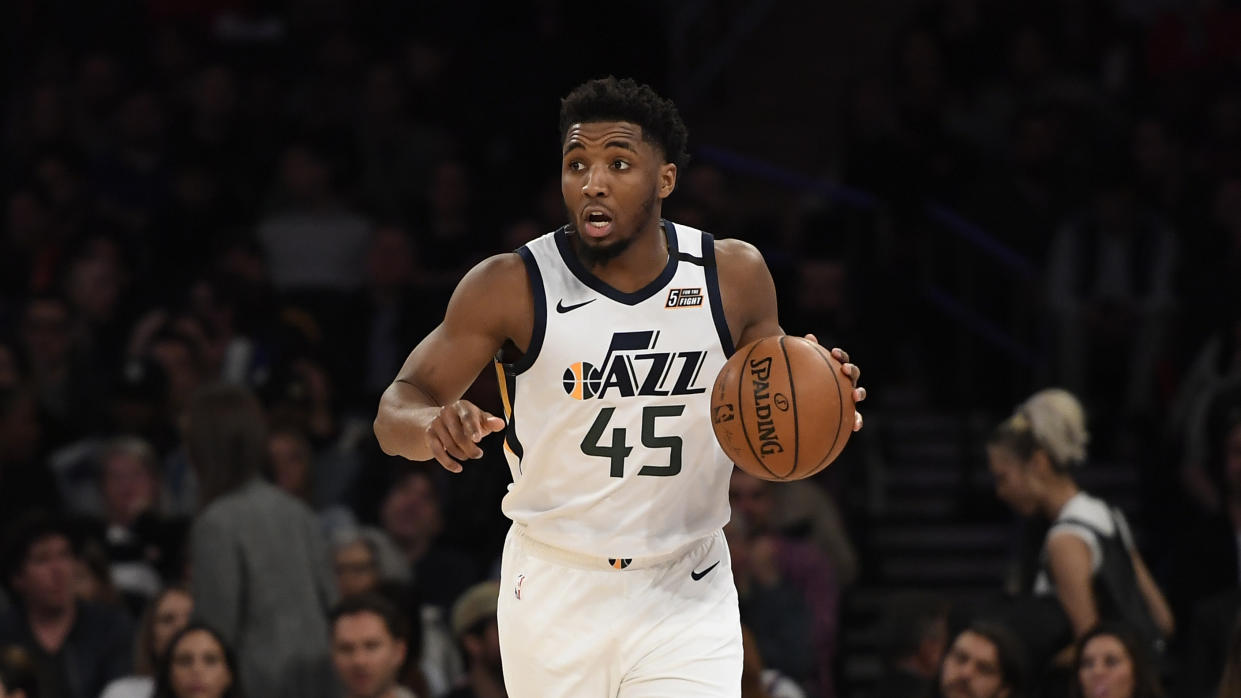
618, 143
614, 143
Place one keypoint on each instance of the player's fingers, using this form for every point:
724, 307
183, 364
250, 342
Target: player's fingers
810, 336
841, 355
471, 421
859, 394
437, 450
459, 442
447, 427
492, 423
857, 421
853, 372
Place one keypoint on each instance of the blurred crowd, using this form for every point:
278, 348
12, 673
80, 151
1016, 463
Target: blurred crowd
226, 223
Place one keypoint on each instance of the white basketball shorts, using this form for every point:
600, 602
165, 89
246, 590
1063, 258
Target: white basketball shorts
574, 626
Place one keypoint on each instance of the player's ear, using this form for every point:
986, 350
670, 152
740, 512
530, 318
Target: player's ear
667, 179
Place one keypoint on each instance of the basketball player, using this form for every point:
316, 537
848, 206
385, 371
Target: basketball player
608, 334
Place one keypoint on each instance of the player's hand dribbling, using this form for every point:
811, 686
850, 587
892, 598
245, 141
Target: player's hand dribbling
854, 374
454, 434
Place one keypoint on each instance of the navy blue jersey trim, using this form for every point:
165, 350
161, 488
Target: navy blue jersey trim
540, 312
583, 274
510, 433
713, 295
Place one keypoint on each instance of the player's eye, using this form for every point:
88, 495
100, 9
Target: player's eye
576, 165
620, 164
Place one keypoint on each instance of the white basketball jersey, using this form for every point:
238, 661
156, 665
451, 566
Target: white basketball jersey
609, 437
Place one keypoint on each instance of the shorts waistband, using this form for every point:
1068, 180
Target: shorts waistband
598, 562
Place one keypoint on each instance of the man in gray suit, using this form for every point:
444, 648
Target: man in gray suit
261, 570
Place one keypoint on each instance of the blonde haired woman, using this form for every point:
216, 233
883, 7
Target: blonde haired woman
1089, 562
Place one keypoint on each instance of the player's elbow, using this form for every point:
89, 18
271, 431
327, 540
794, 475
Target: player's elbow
385, 434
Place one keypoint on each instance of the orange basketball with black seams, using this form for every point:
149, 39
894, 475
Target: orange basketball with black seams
782, 409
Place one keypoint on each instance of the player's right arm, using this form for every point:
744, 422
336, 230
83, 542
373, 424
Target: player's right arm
421, 414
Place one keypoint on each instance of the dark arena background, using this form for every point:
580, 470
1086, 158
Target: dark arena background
977, 199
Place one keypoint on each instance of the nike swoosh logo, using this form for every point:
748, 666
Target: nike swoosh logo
700, 575
562, 308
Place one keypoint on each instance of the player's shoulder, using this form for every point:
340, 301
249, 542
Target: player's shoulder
497, 272
738, 260
736, 249
495, 287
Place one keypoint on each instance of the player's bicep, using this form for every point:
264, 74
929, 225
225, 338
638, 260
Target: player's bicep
486, 309
748, 292
445, 364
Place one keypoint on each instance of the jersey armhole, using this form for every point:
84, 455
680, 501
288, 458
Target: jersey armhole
713, 295
539, 329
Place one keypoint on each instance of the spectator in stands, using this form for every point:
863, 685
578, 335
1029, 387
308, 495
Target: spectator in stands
1110, 295
983, 661
138, 405
77, 646
775, 613
292, 462
260, 565
315, 242
411, 513
758, 680
1213, 373
1112, 662
92, 576
53, 356
164, 617
913, 634
1206, 562
367, 561
448, 217
17, 673
142, 545
199, 664
297, 469
369, 646
302, 402
1092, 566
356, 561
397, 306
177, 345
474, 626
805, 510
798, 565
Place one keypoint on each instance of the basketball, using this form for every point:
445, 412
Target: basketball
782, 409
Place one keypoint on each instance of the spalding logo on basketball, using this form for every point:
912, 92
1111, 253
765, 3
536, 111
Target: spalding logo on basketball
782, 409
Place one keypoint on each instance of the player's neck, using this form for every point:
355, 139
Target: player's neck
640, 264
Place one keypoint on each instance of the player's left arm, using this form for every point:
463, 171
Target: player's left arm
748, 294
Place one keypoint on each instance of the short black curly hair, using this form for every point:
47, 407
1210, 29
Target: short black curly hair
612, 99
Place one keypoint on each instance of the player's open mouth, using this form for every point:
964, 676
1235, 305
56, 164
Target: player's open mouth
598, 223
